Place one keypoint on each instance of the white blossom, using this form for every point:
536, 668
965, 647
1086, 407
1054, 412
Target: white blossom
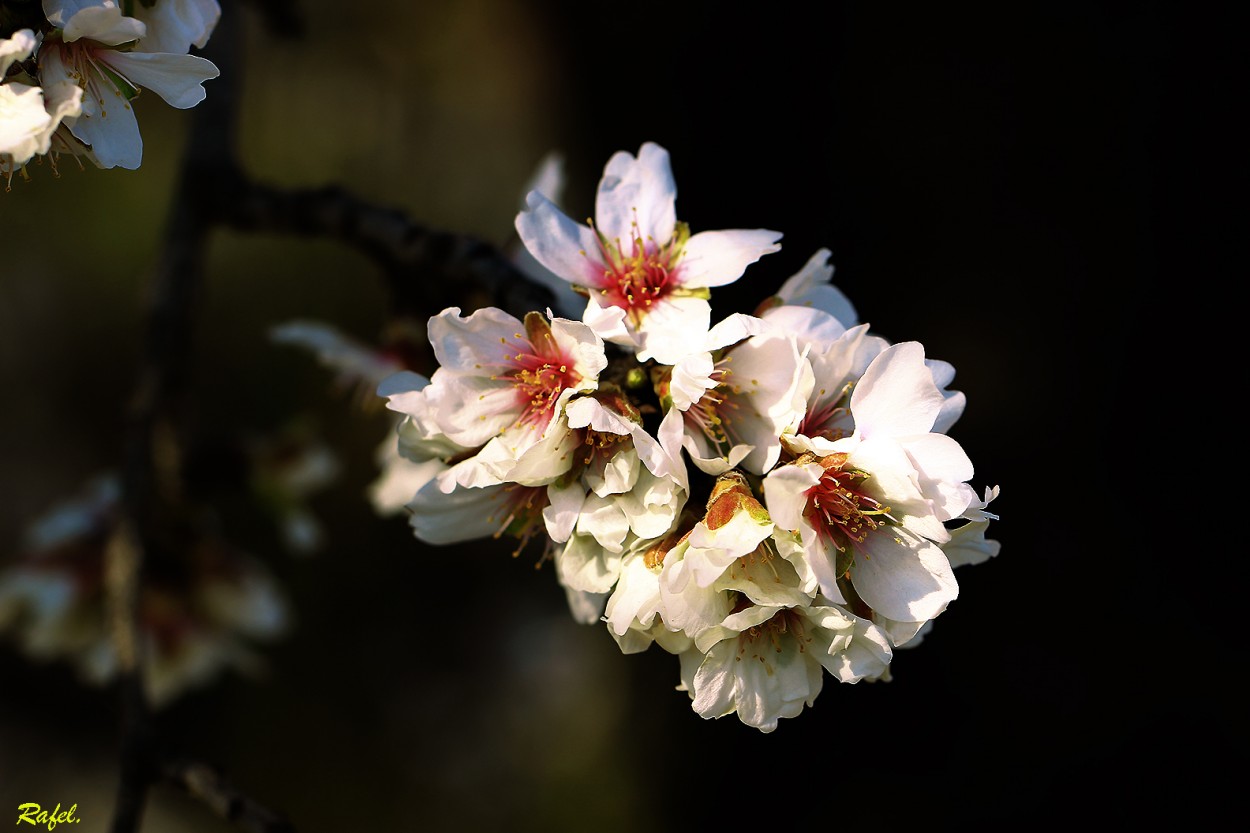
765, 663
646, 276
872, 508
88, 48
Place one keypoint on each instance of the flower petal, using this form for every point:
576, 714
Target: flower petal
903, 576
637, 190
179, 79
177, 25
568, 249
896, 395
715, 258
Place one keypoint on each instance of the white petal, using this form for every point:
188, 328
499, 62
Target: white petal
674, 327
101, 22
968, 545
587, 608
471, 410
584, 565
462, 515
588, 411
640, 191
399, 482
16, 47
564, 504
690, 379
709, 551
706, 461
808, 326
179, 79
177, 25
23, 122
662, 457
766, 385
603, 519
902, 576
715, 684
110, 128
811, 287
687, 607
715, 258
636, 597
953, 401
942, 466
785, 493
477, 343
652, 505
548, 459
867, 657
895, 482
896, 396
568, 249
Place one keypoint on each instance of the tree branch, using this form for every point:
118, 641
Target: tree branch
207, 784
425, 271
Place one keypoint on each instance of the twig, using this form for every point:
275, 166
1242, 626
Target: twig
161, 382
425, 270
207, 784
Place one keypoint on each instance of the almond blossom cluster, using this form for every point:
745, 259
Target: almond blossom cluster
71, 69
772, 497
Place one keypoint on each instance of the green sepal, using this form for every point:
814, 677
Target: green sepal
843, 561
127, 90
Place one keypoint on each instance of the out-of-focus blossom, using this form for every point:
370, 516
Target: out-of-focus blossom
198, 614
287, 469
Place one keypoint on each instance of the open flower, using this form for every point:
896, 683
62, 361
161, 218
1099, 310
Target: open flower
93, 46
765, 663
29, 114
870, 510
738, 391
646, 276
812, 287
500, 389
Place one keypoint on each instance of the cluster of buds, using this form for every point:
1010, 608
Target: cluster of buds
770, 497
70, 70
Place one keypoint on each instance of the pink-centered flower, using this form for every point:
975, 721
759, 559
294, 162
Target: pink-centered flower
500, 388
645, 275
870, 507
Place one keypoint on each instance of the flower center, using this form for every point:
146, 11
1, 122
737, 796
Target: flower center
541, 371
827, 415
520, 513
640, 272
759, 640
713, 415
538, 383
838, 508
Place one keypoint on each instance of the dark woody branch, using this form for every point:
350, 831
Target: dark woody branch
425, 270
208, 785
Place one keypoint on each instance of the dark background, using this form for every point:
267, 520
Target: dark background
1016, 189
